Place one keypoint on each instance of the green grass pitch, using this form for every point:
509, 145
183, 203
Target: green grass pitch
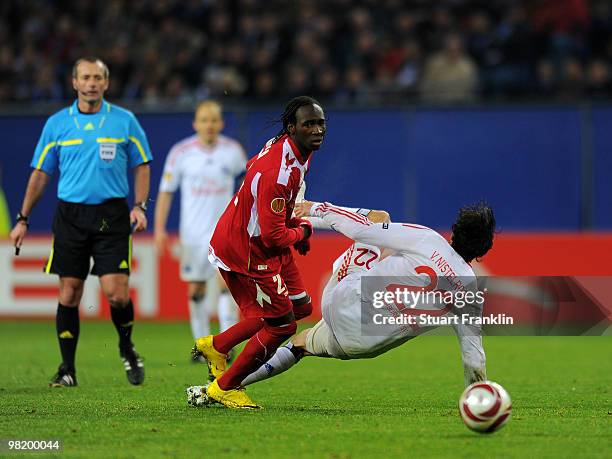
401, 404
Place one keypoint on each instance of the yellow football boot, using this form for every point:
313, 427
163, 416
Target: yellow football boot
233, 398
216, 361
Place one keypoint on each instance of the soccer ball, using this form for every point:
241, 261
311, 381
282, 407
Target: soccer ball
485, 406
196, 396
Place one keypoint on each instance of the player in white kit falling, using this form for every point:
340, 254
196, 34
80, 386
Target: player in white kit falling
390, 254
204, 167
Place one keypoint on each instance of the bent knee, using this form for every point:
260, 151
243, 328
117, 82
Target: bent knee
302, 307
118, 301
196, 291
284, 326
70, 292
196, 297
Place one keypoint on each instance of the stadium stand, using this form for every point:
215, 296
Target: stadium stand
345, 52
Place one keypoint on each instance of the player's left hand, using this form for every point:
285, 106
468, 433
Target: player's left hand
138, 220
302, 209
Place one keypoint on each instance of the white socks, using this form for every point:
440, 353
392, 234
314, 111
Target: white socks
198, 317
200, 310
227, 311
280, 362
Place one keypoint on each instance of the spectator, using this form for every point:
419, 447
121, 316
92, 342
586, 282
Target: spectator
265, 87
297, 79
598, 80
450, 76
572, 84
407, 77
327, 83
46, 86
367, 49
355, 88
547, 81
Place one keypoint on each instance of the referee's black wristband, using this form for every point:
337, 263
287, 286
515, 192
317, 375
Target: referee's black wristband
142, 206
22, 219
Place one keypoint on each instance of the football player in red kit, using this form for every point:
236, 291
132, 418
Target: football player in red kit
251, 246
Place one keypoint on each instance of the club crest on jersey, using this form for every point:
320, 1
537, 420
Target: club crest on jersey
277, 205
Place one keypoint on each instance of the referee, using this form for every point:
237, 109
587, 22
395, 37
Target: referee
93, 143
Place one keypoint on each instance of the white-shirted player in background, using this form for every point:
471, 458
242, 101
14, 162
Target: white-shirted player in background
204, 167
391, 255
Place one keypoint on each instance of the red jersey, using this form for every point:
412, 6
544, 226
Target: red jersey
252, 236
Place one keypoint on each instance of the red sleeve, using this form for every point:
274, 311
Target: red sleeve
272, 199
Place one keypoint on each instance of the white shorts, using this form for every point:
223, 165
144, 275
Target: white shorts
321, 341
195, 266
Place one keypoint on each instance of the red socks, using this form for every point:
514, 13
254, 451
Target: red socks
258, 350
243, 330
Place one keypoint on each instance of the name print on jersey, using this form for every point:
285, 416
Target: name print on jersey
447, 271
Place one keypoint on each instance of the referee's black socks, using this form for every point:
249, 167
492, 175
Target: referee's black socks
67, 326
123, 318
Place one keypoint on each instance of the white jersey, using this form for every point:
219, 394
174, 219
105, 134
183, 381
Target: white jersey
421, 258
206, 176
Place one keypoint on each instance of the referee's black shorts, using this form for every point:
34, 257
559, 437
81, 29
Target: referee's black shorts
82, 232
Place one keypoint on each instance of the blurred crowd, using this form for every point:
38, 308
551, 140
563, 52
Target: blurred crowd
341, 51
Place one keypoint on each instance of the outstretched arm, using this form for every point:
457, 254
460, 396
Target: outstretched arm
302, 210
472, 352
473, 358
395, 236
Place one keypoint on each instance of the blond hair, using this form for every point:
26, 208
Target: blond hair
211, 104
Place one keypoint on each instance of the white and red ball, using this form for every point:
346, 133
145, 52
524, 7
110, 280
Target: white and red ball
485, 406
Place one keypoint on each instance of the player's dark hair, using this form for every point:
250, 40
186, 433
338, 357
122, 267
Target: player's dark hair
92, 60
473, 231
288, 117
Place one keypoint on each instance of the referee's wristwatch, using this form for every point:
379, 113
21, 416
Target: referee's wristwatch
22, 219
142, 205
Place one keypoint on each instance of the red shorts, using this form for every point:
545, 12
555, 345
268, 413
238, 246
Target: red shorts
266, 297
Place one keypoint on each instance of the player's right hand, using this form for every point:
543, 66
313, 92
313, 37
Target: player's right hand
302, 247
308, 230
18, 233
306, 225
296, 222
161, 241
